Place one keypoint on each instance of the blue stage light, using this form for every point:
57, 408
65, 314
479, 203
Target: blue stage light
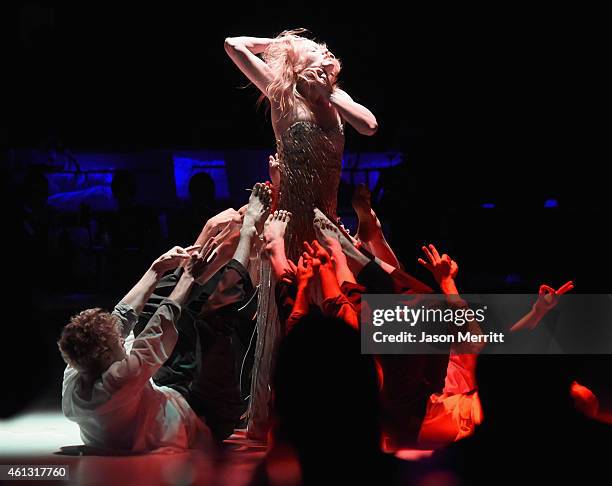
551, 203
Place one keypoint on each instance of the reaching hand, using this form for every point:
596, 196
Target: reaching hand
196, 265
208, 251
173, 258
548, 297
442, 267
290, 275
199, 263
322, 255
225, 243
317, 253
217, 223
305, 269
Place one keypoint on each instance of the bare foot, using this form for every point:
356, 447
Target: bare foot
331, 239
368, 222
327, 231
275, 226
274, 238
259, 204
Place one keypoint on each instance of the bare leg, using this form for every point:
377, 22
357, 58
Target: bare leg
370, 229
354, 258
274, 238
259, 204
329, 236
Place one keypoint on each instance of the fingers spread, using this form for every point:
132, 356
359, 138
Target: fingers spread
566, 287
434, 252
427, 265
428, 254
308, 248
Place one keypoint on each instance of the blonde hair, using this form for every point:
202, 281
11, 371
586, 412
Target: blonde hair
285, 56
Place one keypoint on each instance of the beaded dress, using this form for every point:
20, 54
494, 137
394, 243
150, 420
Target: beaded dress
310, 159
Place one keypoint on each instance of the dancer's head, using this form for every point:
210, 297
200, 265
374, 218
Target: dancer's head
91, 342
294, 60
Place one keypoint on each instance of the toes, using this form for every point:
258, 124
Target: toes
264, 195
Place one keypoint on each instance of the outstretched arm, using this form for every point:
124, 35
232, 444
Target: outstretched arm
243, 51
370, 230
156, 342
140, 293
547, 300
444, 269
304, 273
334, 301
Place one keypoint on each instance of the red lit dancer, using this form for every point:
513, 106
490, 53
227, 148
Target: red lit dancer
299, 79
455, 413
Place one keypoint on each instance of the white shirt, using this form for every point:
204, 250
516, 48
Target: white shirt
126, 410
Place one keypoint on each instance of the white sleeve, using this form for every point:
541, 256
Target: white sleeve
150, 350
70, 374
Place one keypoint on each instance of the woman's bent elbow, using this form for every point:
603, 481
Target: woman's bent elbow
371, 129
230, 44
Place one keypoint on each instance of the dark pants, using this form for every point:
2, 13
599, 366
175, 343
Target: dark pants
204, 364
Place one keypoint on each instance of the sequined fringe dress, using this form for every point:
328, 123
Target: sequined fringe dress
310, 163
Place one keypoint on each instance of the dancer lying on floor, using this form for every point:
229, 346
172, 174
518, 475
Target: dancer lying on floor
107, 388
220, 313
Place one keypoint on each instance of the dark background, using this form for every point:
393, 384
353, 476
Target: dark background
486, 106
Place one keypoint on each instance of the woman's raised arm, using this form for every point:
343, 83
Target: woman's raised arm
243, 51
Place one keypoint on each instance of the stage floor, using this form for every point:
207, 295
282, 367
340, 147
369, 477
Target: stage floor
37, 437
